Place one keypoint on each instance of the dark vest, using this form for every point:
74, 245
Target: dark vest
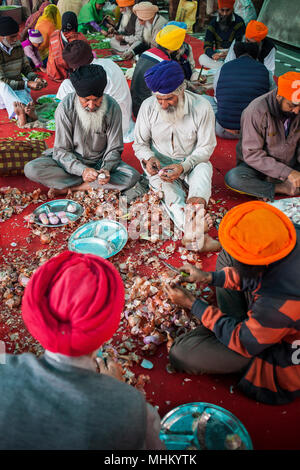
240, 82
266, 47
130, 27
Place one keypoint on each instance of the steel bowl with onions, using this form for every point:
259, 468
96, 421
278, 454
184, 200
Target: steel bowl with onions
103, 238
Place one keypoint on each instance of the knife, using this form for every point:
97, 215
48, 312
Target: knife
176, 270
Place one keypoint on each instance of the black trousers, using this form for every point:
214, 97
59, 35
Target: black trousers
200, 351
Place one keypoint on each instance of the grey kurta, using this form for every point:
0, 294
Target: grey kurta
75, 149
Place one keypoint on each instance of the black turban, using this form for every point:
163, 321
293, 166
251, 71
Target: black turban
69, 22
8, 26
89, 80
77, 53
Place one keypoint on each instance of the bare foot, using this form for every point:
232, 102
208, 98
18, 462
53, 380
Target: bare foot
286, 188
19, 109
52, 193
210, 244
202, 244
30, 111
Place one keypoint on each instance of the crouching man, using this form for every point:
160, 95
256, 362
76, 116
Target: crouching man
88, 141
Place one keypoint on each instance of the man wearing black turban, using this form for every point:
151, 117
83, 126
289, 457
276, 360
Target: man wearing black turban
14, 66
88, 140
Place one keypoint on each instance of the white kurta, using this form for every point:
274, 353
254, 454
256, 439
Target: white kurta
116, 87
190, 142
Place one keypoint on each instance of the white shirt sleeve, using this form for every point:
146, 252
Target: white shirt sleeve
269, 61
206, 138
142, 134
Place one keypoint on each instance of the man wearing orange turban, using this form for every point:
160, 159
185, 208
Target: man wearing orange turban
69, 398
128, 32
257, 322
268, 151
221, 31
256, 32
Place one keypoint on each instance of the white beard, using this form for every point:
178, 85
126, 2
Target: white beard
173, 114
147, 32
125, 19
91, 121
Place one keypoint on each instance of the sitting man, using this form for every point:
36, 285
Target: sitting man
128, 31
57, 68
258, 294
69, 398
14, 89
78, 53
268, 151
238, 83
220, 33
174, 139
88, 141
170, 46
256, 32
152, 22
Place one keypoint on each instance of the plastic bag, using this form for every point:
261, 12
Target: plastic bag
186, 12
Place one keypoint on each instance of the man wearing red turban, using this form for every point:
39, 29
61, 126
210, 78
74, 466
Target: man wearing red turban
256, 32
257, 324
268, 151
221, 32
69, 398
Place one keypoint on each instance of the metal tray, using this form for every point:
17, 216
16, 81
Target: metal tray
103, 238
203, 426
58, 205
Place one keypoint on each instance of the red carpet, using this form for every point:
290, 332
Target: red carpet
269, 427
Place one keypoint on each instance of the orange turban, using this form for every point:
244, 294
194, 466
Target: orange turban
125, 3
256, 30
289, 86
257, 233
226, 3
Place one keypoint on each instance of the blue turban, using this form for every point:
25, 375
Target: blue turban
164, 77
180, 24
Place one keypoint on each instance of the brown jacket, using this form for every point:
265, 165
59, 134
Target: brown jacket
263, 144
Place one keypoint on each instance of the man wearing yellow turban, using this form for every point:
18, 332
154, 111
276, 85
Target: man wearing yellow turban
257, 324
268, 151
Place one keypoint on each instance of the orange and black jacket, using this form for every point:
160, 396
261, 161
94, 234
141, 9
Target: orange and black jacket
270, 335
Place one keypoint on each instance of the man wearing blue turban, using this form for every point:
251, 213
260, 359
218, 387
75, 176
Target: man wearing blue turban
174, 139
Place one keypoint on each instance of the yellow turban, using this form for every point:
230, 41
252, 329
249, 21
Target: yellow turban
171, 37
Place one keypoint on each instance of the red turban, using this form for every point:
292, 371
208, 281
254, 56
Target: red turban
226, 3
73, 303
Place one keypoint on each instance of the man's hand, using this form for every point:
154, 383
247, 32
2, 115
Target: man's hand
37, 85
103, 177
111, 368
179, 296
195, 274
89, 175
170, 176
128, 55
294, 178
119, 37
152, 166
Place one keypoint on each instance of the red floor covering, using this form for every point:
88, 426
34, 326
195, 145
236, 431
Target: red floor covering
270, 427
